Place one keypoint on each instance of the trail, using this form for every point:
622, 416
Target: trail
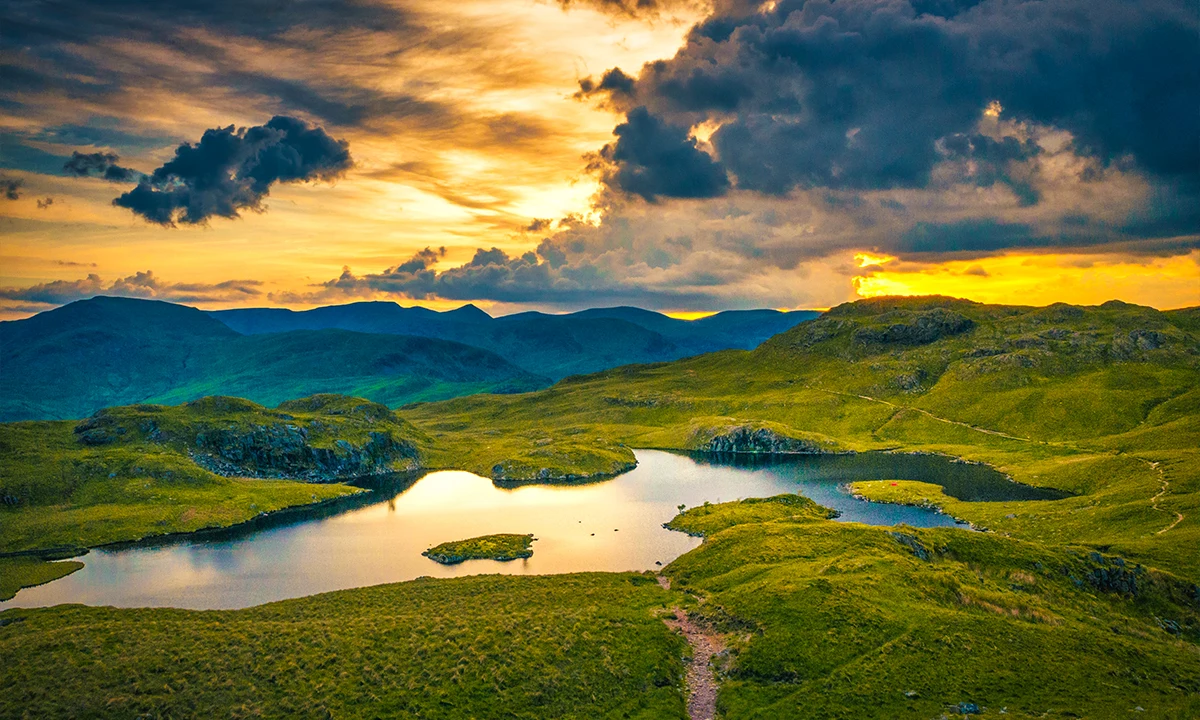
1154, 501
1166, 485
701, 681
931, 416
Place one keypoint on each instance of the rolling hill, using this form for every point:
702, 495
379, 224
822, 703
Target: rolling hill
818, 618
69, 362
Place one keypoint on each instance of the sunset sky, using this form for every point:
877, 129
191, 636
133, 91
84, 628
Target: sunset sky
536, 154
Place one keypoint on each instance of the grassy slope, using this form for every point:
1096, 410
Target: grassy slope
827, 619
842, 620
575, 646
59, 490
1098, 401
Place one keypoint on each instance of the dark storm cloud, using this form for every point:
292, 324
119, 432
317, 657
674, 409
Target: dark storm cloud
856, 94
231, 170
99, 164
981, 235
652, 158
614, 83
11, 187
994, 161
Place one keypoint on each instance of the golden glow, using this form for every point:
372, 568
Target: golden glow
993, 109
510, 150
689, 314
866, 259
1029, 279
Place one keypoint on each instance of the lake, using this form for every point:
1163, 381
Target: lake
613, 525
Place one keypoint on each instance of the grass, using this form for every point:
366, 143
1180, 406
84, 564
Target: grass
902, 492
24, 572
1097, 401
130, 472
1079, 607
501, 547
833, 620
569, 646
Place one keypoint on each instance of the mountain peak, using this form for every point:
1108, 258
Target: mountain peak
468, 313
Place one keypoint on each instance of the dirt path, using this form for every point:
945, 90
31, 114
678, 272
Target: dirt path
1166, 485
701, 681
931, 416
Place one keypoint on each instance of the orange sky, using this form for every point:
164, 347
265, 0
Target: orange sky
517, 150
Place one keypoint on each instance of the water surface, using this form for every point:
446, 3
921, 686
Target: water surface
613, 525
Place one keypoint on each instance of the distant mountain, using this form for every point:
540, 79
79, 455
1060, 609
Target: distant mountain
549, 345
69, 362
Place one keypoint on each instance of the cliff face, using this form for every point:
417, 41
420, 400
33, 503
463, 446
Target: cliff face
284, 451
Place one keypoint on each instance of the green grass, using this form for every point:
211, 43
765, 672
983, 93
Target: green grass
902, 492
568, 646
834, 620
1080, 607
23, 572
503, 546
1098, 401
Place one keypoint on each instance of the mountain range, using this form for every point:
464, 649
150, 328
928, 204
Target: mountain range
71, 361
553, 346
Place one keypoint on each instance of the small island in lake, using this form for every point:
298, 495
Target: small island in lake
502, 547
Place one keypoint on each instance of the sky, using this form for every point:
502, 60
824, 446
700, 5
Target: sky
687, 156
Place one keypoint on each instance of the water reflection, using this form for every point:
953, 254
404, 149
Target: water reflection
609, 526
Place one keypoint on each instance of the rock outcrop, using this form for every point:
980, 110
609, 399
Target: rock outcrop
763, 441
918, 329
284, 450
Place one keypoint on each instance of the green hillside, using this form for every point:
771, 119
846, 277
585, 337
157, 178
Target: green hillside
130, 472
1086, 606
1100, 401
70, 362
565, 646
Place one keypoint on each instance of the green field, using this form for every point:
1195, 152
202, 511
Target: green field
1087, 606
572, 646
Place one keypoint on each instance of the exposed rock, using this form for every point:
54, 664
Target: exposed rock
912, 543
284, 450
762, 441
910, 382
920, 329
1112, 575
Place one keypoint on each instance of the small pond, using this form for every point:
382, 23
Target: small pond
613, 525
